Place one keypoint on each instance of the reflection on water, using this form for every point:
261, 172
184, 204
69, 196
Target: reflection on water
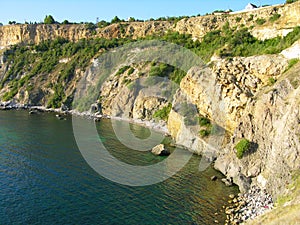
45, 180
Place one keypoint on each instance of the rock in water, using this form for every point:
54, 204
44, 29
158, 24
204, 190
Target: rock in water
60, 117
160, 150
213, 178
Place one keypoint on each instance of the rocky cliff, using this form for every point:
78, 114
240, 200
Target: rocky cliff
36, 33
288, 17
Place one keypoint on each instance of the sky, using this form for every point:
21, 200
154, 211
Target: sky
89, 10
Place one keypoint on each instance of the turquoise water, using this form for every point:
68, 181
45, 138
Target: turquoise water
45, 180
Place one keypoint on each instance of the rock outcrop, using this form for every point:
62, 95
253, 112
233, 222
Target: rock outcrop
272, 124
36, 33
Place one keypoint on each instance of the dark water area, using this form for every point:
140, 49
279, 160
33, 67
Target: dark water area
45, 180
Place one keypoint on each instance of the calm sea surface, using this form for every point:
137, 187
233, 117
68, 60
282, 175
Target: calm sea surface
45, 180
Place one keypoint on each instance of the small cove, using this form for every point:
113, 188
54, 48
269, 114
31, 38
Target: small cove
45, 180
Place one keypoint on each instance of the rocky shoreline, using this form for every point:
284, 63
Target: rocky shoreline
156, 126
247, 206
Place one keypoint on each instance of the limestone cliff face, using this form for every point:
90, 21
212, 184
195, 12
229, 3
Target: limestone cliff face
135, 29
35, 33
199, 26
238, 96
196, 26
29, 33
231, 84
272, 123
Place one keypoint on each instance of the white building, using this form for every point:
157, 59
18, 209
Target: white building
250, 6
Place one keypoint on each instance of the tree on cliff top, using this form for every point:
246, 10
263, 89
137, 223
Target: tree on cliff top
49, 20
115, 20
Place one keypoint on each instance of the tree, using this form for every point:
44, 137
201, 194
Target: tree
115, 20
65, 22
131, 19
49, 20
102, 24
11, 22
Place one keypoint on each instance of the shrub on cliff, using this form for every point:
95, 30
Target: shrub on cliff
260, 21
290, 1
242, 147
274, 17
163, 113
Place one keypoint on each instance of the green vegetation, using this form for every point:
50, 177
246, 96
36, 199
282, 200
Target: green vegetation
260, 21
274, 17
49, 20
122, 70
272, 81
203, 121
204, 133
102, 24
242, 43
42, 59
65, 22
206, 127
242, 147
250, 18
165, 70
292, 62
130, 71
115, 20
294, 189
291, 1
238, 19
163, 113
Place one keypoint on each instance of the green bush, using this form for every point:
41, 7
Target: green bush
291, 1
165, 70
130, 71
250, 18
260, 21
274, 17
203, 121
204, 133
122, 70
242, 147
272, 81
163, 113
49, 20
238, 19
292, 62
115, 20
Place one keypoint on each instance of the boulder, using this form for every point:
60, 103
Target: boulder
214, 178
160, 150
